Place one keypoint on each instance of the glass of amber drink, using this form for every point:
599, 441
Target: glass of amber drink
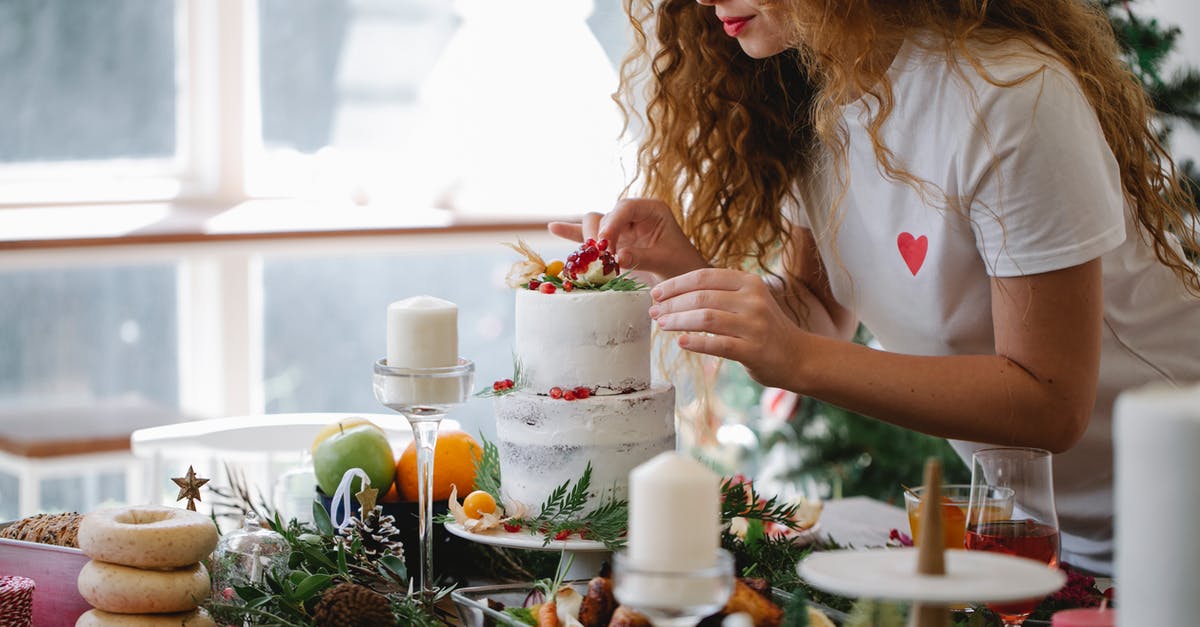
995, 503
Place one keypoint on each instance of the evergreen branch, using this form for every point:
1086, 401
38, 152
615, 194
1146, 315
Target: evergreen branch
565, 500
518, 380
623, 283
487, 469
738, 499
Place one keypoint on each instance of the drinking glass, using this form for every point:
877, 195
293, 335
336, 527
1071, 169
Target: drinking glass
955, 500
1031, 531
424, 396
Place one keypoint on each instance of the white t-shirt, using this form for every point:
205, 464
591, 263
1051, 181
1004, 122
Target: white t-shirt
1045, 194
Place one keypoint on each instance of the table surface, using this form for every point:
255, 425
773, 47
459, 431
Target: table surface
861, 522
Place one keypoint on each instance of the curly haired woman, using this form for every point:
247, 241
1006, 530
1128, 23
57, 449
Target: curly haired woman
977, 182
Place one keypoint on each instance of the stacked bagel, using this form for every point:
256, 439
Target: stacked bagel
146, 566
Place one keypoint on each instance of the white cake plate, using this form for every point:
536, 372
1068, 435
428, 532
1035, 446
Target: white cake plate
589, 555
890, 575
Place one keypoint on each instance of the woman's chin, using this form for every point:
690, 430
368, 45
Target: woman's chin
761, 50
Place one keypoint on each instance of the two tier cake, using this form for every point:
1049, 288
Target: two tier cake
583, 391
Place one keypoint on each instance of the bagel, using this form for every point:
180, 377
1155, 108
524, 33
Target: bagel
125, 590
147, 536
100, 618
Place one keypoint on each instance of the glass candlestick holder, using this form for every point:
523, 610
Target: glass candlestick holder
673, 598
424, 396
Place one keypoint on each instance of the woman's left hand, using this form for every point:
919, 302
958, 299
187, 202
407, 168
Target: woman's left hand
729, 314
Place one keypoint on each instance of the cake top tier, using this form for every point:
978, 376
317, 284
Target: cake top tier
580, 322
599, 340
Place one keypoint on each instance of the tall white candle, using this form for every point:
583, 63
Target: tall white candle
1157, 504
422, 332
674, 514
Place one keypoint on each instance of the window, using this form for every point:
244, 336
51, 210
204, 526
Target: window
109, 93
464, 106
120, 118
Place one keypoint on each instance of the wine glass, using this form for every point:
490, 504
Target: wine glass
1030, 530
676, 598
424, 396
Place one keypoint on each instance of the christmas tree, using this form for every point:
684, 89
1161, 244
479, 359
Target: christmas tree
837, 452
1147, 45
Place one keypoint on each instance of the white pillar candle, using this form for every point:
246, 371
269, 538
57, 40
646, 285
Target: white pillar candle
674, 514
422, 332
1157, 504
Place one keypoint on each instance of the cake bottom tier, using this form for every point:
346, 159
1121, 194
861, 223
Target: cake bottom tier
544, 442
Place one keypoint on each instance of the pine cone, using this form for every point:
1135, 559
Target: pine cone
352, 605
378, 534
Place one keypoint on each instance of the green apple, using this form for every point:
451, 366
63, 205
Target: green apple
357, 446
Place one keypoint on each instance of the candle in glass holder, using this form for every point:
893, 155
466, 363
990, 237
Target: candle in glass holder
674, 534
674, 514
1084, 617
422, 332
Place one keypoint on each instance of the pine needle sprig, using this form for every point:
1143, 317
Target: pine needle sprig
487, 469
567, 500
623, 283
739, 499
518, 382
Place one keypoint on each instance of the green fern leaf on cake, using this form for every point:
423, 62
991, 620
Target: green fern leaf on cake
501, 387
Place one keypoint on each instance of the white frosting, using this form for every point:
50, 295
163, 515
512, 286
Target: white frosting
600, 340
544, 442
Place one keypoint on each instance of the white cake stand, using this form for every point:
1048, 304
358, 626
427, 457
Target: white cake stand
588, 555
971, 576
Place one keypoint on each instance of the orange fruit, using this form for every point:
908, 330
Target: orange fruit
453, 464
479, 503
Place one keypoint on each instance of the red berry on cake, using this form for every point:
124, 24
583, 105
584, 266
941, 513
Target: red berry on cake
592, 265
508, 383
569, 395
556, 393
511, 528
546, 288
534, 283
562, 535
568, 286
582, 392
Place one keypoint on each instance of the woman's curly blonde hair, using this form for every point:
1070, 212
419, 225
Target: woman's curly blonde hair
725, 138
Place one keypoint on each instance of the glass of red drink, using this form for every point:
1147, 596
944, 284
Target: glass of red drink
1032, 530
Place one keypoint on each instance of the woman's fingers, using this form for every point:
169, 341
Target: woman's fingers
715, 321
724, 300
704, 279
566, 230
716, 345
591, 225
587, 227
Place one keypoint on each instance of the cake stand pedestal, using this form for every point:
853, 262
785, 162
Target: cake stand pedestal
588, 555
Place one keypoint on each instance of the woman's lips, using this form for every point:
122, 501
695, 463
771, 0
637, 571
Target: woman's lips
734, 25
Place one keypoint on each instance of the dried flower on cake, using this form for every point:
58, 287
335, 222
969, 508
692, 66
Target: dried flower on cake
526, 270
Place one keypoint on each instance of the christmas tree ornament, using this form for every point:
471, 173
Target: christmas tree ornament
189, 487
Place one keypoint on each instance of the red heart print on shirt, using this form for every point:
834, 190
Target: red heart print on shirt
913, 250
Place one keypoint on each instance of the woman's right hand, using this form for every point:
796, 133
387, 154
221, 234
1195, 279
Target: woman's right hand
643, 233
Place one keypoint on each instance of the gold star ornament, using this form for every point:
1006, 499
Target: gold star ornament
189, 487
366, 500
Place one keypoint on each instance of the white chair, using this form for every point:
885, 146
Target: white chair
263, 446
